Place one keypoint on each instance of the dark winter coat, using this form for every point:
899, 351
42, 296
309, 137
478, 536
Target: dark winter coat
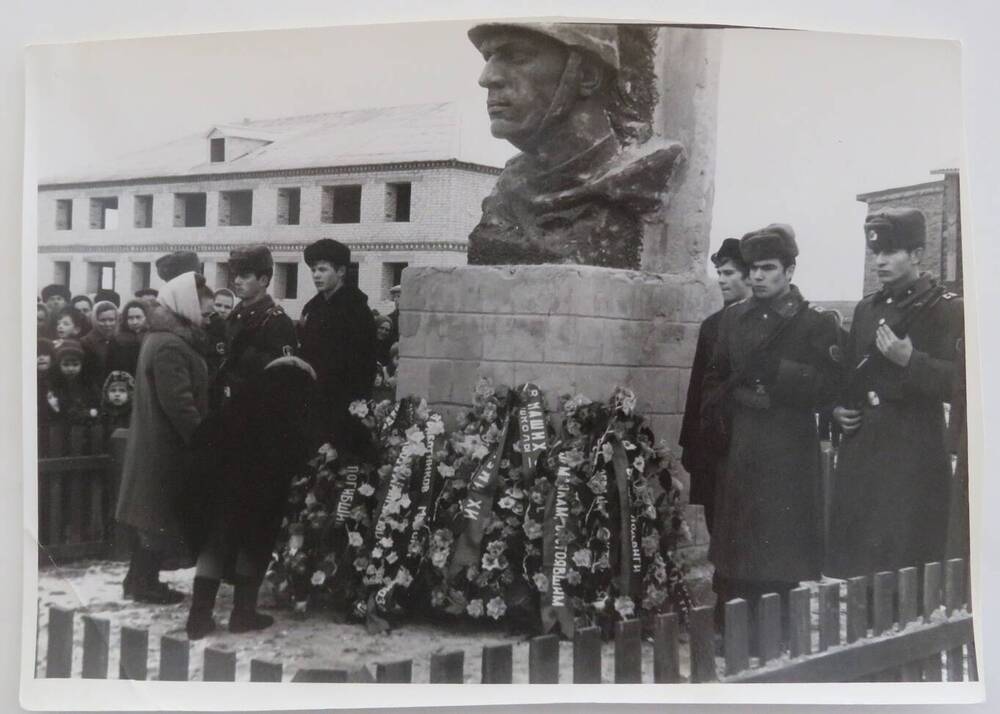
773, 365
171, 400
337, 336
698, 459
891, 491
256, 335
123, 353
96, 349
244, 469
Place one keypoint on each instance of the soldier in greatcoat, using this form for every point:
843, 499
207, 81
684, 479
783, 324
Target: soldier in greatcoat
700, 458
774, 363
891, 492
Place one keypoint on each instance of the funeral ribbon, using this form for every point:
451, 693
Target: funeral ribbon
531, 422
346, 494
630, 560
423, 496
559, 526
477, 507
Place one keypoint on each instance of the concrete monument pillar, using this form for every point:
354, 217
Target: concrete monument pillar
556, 295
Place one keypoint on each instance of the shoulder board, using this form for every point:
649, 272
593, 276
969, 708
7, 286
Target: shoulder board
818, 308
949, 295
275, 310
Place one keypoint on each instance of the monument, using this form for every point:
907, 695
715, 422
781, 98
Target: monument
588, 267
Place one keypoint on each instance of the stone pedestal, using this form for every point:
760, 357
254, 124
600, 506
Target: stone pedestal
570, 329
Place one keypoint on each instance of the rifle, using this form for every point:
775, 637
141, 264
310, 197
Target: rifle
857, 395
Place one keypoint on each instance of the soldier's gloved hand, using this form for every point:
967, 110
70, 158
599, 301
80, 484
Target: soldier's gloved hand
849, 419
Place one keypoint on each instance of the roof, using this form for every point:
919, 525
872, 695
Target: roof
414, 133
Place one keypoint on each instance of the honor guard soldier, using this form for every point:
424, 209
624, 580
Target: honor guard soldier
775, 362
699, 458
891, 491
257, 330
338, 339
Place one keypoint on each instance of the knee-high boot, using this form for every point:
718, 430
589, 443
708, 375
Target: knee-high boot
245, 617
200, 621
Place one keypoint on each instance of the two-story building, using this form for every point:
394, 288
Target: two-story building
387, 182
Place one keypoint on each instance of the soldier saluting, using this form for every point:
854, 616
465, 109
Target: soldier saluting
257, 330
890, 502
774, 363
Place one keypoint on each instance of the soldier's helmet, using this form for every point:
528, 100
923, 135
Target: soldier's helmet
599, 41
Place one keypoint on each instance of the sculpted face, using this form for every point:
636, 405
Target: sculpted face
521, 75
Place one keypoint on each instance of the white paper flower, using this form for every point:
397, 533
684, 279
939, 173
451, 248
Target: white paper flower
318, 578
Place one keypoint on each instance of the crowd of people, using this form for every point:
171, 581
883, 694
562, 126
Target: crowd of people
227, 398
224, 396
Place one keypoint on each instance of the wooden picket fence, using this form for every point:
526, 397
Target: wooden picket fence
78, 475
911, 633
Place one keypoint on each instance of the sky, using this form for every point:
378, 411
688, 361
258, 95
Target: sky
806, 121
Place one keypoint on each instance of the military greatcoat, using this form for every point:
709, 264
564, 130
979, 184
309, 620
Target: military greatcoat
775, 363
891, 492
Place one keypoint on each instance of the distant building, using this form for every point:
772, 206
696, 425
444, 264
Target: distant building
939, 201
387, 182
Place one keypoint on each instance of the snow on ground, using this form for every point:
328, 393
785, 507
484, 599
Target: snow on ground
94, 588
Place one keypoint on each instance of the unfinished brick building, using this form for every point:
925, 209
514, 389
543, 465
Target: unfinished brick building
387, 182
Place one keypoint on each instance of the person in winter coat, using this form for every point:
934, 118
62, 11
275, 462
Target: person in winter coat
235, 513
97, 343
893, 480
171, 401
132, 326
258, 331
699, 458
72, 397
116, 401
55, 297
774, 363
86, 307
45, 411
337, 336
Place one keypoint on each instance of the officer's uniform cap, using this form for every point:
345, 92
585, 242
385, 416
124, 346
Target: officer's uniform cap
892, 229
332, 251
776, 241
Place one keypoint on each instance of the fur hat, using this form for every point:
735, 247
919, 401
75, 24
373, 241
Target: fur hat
892, 229
173, 264
728, 251
52, 290
334, 252
255, 258
143, 292
67, 348
774, 241
110, 296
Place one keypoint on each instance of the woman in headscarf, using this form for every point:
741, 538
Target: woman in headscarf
97, 342
171, 401
132, 326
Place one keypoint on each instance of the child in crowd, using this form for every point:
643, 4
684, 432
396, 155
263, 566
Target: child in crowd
44, 359
71, 397
116, 401
68, 323
44, 329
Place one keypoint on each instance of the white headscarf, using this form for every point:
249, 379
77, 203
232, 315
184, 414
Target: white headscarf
180, 296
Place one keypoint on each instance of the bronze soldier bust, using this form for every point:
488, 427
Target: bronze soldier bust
576, 193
